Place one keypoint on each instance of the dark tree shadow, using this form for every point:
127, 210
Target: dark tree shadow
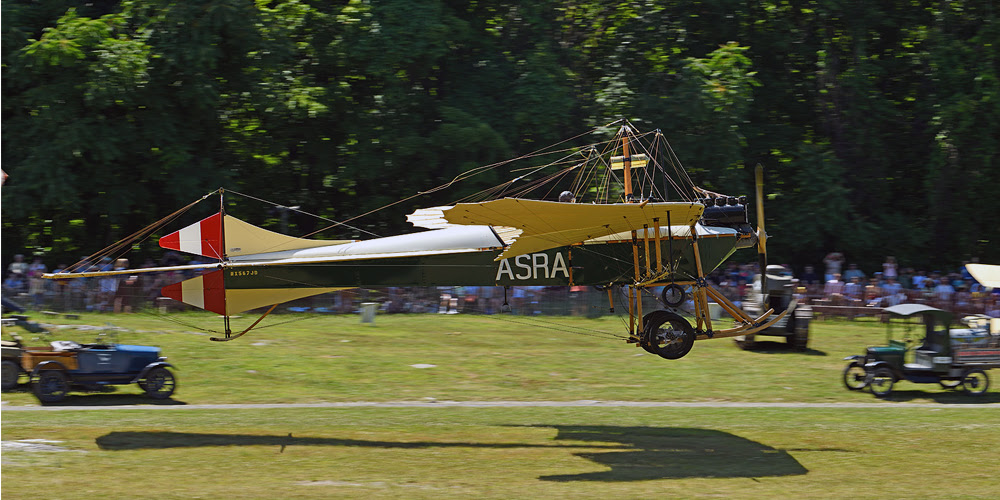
633, 453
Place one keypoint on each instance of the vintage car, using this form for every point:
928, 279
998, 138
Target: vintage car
780, 296
11, 363
927, 351
64, 366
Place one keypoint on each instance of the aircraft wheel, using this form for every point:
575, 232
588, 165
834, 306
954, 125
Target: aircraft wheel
51, 386
10, 373
673, 295
855, 377
881, 382
159, 383
667, 335
975, 382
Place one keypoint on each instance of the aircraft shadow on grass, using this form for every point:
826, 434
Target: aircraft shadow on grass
773, 347
630, 453
646, 453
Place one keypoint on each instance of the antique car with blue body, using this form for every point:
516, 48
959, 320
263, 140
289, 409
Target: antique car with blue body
66, 365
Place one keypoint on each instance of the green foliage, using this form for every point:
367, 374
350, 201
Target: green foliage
877, 123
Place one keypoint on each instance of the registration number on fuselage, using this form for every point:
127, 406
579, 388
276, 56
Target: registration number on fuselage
535, 266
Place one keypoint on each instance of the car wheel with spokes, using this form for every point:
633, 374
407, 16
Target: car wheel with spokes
159, 383
975, 382
50, 386
855, 377
881, 382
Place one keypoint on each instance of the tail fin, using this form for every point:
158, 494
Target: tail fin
205, 238
202, 238
207, 292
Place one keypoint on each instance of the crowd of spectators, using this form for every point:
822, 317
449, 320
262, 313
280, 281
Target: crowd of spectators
839, 285
24, 284
954, 290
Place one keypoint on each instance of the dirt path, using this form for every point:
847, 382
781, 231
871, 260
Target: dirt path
502, 404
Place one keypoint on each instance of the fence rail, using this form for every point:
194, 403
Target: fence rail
124, 295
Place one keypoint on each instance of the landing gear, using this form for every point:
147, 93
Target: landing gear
673, 295
667, 335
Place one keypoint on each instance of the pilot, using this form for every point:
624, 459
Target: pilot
567, 197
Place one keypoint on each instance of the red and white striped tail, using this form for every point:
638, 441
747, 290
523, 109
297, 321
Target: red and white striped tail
206, 292
202, 238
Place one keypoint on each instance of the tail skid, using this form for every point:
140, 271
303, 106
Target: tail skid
229, 334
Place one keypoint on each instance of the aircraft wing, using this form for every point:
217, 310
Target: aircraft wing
433, 218
547, 224
985, 274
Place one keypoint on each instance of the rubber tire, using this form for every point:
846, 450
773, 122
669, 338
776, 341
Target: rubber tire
799, 339
849, 377
679, 295
11, 372
159, 383
50, 386
748, 343
651, 326
978, 387
881, 373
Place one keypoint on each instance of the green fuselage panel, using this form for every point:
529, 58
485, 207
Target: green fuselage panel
595, 264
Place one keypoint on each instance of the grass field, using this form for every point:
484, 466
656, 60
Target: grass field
924, 442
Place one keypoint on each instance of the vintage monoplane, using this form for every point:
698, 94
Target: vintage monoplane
622, 231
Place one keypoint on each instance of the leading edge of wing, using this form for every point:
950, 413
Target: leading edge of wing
548, 224
985, 274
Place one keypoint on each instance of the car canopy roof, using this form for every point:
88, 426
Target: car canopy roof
913, 309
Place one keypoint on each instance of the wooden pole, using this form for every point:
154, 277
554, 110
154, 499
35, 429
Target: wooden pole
659, 250
627, 164
632, 290
645, 243
701, 297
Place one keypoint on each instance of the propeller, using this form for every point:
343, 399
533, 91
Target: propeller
761, 234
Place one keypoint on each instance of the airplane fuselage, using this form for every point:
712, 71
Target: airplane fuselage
587, 264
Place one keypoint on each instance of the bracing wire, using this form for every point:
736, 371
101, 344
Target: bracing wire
333, 222
121, 247
569, 160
